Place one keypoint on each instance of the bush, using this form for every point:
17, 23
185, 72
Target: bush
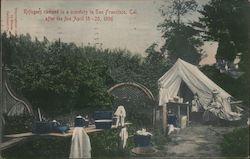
18, 124
159, 139
40, 148
106, 143
103, 144
236, 143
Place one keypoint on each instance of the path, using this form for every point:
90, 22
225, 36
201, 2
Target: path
197, 141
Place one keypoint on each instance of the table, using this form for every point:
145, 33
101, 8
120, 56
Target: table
16, 138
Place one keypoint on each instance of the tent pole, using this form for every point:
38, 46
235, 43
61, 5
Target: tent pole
39, 114
179, 114
188, 115
1, 94
164, 117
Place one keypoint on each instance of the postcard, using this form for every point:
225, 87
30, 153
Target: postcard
124, 79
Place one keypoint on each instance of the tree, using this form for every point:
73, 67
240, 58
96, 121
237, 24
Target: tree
235, 87
181, 39
227, 22
55, 76
154, 66
154, 57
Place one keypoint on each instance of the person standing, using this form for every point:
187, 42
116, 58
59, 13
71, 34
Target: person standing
196, 109
215, 108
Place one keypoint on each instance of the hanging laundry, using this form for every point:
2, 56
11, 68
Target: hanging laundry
80, 144
121, 114
124, 136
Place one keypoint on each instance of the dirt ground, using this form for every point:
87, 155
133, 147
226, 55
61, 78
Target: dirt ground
198, 141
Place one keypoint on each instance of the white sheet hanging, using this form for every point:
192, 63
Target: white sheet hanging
124, 136
80, 144
121, 114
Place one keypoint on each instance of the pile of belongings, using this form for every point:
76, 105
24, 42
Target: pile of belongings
143, 132
59, 127
44, 127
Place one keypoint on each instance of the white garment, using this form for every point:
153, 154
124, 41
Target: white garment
124, 136
80, 144
143, 132
195, 105
121, 114
120, 111
171, 129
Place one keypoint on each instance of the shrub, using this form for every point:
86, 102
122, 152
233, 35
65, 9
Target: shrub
103, 144
107, 143
159, 139
236, 143
18, 124
40, 148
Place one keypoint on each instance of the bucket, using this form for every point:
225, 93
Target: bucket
142, 140
79, 122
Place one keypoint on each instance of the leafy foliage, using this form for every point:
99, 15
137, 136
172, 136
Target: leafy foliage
236, 143
55, 76
39, 148
227, 22
103, 144
17, 124
107, 143
181, 39
61, 77
235, 87
159, 139
155, 65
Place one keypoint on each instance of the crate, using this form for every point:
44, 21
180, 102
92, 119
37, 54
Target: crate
99, 115
42, 127
103, 124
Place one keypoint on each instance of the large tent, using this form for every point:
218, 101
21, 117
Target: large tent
198, 83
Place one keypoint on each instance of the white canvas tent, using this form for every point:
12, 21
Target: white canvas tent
197, 82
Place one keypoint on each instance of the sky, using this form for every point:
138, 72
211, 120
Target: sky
124, 24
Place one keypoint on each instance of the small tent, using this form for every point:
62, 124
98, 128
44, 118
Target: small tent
197, 82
